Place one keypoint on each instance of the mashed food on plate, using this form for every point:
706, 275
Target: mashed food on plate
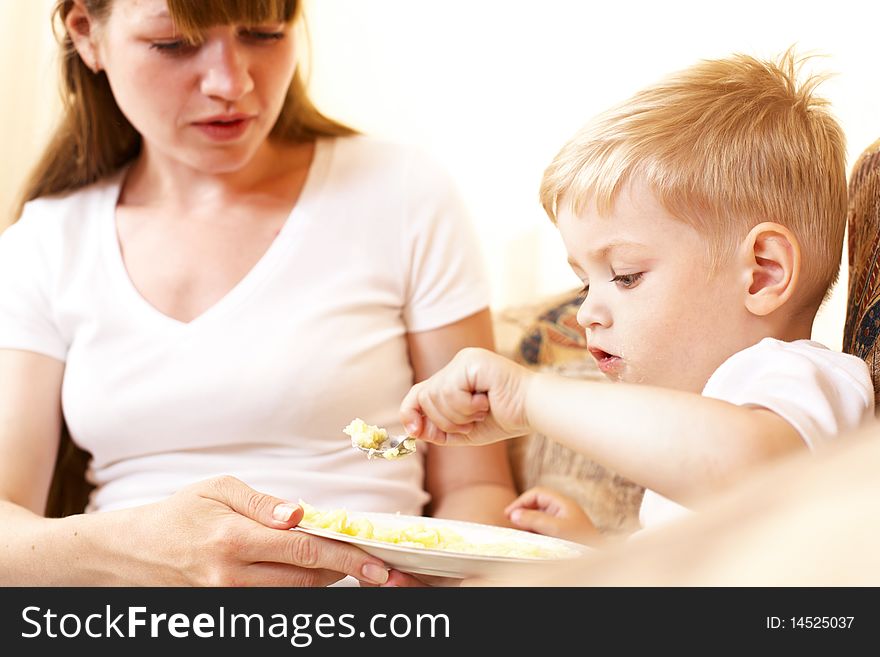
420, 535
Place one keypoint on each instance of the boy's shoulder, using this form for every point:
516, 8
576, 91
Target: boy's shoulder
771, 348
771, 356
802, 372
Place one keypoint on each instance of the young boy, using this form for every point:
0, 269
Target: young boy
705, 217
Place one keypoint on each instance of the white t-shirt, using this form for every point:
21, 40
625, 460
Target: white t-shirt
821, 393
260, 385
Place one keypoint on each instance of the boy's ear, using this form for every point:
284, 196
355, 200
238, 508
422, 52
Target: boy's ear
81, 28
771, 258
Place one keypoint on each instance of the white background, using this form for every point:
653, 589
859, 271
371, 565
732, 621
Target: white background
493, 88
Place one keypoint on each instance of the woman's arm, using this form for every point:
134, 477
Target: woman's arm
217, 532
30, 426
464, 483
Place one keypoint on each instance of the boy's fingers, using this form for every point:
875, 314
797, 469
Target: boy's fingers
456, 406
431, 434
537, 497
536, 521
439, 417
525, 500
411, 413
479, 403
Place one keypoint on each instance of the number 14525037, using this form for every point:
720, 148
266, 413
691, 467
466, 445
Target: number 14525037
810, 622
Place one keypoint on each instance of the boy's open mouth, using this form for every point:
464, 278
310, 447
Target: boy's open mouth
606, 362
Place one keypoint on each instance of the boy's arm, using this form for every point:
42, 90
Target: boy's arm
676, 443
654, 436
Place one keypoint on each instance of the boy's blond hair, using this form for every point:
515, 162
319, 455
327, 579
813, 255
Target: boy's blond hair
725, 145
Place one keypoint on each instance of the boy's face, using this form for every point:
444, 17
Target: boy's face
653, 313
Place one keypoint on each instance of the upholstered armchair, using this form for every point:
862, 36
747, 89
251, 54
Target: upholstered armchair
863, 298
69, 491
548, 338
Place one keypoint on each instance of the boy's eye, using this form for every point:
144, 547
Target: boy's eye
627, 281
584, 291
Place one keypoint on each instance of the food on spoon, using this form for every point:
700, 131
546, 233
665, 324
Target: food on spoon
365, 435
370, 437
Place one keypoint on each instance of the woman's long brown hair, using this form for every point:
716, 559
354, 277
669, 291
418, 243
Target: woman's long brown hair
94, 139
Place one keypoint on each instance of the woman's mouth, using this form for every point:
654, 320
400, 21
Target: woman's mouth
224, 129
607, 363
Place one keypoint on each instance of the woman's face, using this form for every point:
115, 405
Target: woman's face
209, 106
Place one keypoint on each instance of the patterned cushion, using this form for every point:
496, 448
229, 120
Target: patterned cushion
555, 342
863, 299
555, 337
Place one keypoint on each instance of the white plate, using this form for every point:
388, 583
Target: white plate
446, 563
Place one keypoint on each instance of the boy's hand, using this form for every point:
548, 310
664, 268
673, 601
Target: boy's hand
547, 512
478, 398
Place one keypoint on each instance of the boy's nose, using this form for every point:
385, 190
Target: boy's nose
226, 75
593, 313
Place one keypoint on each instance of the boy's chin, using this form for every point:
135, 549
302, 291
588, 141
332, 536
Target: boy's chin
615, 377
631, 376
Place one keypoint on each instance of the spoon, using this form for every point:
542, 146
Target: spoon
376, 443
393, 447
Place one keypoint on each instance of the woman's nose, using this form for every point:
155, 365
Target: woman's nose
227, 71
593, 312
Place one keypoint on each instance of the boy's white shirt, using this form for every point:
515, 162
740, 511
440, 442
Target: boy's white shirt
820, 392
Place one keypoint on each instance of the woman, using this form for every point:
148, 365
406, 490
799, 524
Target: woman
211, 278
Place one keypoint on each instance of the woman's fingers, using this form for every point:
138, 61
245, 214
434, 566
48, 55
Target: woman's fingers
253, 544
297, 548
401, 579
278, 574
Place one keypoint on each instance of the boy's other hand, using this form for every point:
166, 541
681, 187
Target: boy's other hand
547, 512
478, 398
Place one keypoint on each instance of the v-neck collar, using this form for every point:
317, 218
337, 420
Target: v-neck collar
128, 293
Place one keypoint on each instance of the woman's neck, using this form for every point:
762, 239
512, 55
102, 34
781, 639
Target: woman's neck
155, 179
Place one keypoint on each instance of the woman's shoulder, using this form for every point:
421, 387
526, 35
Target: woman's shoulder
379, 163
72, 202
64, 221
75, 210
384, 153
361, 145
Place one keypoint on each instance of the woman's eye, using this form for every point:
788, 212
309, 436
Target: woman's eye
263, 35
585, 290
627, 280
179, 47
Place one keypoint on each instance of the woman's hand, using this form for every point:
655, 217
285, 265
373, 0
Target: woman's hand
479, 397
220, 532
547, 512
